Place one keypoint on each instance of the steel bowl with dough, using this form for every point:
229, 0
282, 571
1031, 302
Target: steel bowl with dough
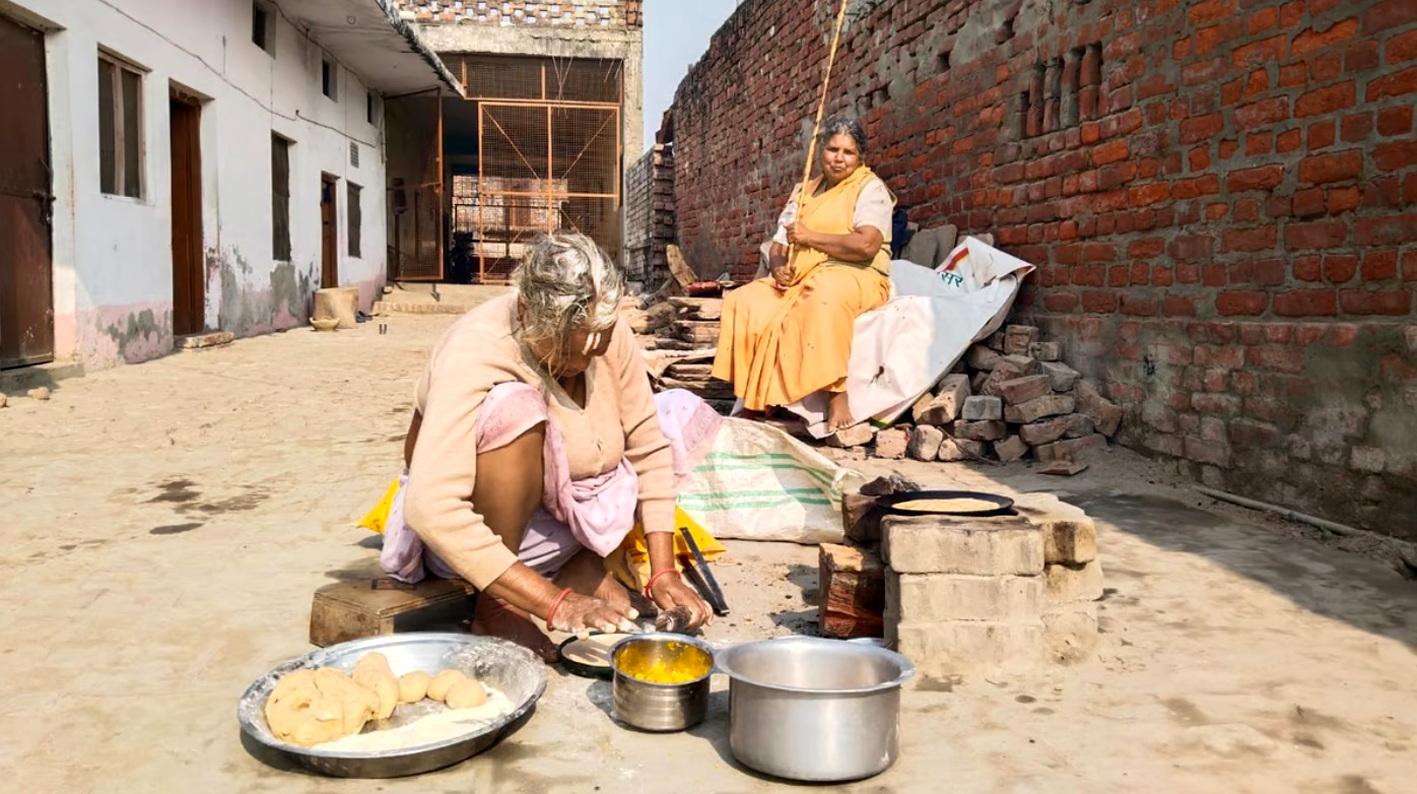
310, 707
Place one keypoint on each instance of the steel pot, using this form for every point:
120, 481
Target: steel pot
661, 707
813, 709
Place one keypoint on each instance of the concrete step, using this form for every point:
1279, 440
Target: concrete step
21, 380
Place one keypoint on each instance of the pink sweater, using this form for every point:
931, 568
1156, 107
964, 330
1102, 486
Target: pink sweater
480, 351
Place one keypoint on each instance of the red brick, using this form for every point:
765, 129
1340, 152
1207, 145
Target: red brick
1382, 193
1308, 268
1388, 15
1209, 11
1294, 74
1325, 68
1330, 99
1289, 141
1179, 306
1099, 302
1337, 167
1290, 14
1395, 156
1309, 203
1356, 128
1361, 56
1192, 247
1314, 39
1236, 304
1140, 306
1262, 20
1402, 48
1391, 303
1394, 84
1307, 303
1217, 211
1261, 239
1259, 143
1395, 121
1265, 177
1260, 53
1202, 128
1343, 199
1379, 265
1340, 268
1280, 359
1322, 135
1385, 230
1060, 302
1259, 114
1306, 236
1193, 74
1409, 266
1111, 152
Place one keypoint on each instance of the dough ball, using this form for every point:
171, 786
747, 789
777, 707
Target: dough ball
372, 671
442, 682
310, 707
466, 694
413, 687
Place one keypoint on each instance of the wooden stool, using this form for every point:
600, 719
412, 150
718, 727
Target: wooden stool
347, 611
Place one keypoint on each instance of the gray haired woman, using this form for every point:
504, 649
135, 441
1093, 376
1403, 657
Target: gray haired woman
534, 448
788, 337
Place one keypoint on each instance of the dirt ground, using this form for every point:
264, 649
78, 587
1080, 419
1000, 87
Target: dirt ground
166, 525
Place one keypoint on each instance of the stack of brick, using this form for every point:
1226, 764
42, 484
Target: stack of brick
985, 594
680, 337
1008, 399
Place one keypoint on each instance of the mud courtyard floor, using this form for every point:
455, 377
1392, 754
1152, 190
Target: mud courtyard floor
166, 525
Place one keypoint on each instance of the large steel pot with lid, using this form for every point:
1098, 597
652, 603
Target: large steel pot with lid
813, 709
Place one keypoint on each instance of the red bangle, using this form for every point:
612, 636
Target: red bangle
650, 584
554, 605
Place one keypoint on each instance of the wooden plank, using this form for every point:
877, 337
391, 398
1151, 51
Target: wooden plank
683, 274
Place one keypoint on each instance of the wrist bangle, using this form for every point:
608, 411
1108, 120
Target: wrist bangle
649, 586
551, 614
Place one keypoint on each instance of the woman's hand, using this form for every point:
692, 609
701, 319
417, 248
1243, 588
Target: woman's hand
578, 614
782, 276
797, 234
669, 592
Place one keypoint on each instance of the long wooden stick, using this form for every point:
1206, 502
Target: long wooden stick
817, 126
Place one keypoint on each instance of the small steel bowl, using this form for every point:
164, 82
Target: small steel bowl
661, 707
516, 671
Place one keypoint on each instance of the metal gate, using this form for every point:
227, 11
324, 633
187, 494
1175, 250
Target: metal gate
542, 166
26, 275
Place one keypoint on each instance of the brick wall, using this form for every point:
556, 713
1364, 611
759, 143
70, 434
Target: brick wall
1219, 195
586, 13
649, 215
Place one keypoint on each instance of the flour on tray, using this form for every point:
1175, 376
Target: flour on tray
436, 727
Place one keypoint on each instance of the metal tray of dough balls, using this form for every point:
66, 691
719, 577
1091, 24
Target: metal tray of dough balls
996, 505
514, 670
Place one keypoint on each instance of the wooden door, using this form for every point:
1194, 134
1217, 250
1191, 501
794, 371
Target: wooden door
329, 235
189, 310
26, 273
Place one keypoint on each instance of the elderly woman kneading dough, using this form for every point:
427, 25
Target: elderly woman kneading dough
789, 336
534, 447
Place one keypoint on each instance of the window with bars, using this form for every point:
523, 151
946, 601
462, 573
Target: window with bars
120, 128
356, 220
280, 198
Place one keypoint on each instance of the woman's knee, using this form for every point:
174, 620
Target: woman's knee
509, 481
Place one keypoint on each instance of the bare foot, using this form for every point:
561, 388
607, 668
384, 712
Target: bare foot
493, 617
839, 413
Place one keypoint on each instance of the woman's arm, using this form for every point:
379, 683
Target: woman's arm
861, 245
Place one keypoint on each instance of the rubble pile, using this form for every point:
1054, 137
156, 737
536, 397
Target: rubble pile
1010, 398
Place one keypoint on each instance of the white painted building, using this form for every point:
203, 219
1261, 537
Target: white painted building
172, 167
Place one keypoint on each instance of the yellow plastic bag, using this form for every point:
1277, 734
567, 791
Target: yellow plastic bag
630, 563
374, 522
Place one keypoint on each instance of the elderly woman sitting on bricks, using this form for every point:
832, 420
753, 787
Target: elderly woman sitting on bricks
788, 336
534, 447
